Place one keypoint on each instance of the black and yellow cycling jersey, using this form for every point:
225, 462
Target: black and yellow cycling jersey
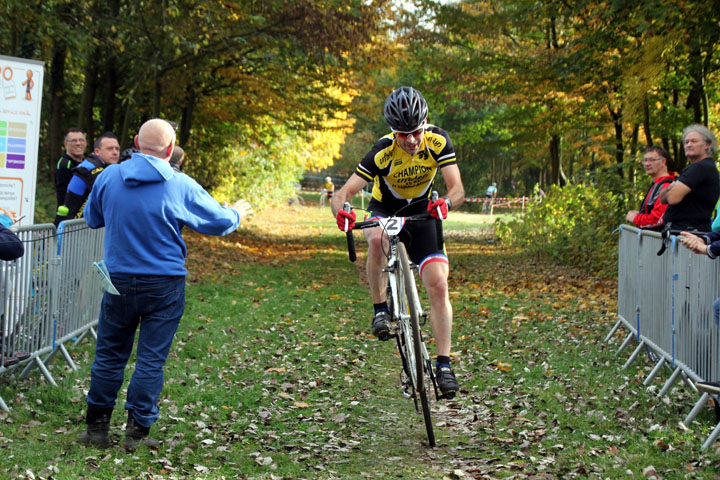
400, 178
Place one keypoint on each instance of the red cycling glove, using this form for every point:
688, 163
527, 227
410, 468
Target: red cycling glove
441, 204
342, 216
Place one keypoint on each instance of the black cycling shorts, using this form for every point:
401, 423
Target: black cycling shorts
419, 237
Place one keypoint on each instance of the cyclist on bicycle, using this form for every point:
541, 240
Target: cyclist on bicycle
403, 165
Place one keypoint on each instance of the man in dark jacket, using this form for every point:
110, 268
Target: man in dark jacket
75, 144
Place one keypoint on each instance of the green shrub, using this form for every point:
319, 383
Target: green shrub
574, 224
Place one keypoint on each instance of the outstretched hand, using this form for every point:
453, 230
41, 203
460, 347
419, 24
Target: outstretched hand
243, 207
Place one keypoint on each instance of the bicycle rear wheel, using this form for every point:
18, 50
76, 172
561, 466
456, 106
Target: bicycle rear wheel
416, 352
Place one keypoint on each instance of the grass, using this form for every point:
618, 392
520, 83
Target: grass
273, 375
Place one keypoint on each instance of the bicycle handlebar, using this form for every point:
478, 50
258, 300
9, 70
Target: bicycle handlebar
376, 223
349, 236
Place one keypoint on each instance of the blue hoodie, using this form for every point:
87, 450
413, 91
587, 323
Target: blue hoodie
143, 205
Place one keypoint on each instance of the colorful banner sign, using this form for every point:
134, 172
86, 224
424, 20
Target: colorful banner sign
21, 82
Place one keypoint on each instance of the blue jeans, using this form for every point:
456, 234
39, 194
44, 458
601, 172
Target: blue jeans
156, 303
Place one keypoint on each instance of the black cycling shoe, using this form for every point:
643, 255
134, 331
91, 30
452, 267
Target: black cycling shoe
381, 325
447, 382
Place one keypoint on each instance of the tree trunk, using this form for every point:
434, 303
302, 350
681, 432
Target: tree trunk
111, 75
563, 177
85, 115
708, 66
694, 98
123, 139
619, 147
493, 169
57, 92
187, 117
555, 160
676, 161
676, 149
157, 94
634, 139
646, 123
110, 93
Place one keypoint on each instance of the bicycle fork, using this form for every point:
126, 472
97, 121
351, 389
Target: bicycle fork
405, 380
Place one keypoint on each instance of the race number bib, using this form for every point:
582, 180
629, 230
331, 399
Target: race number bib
392, 225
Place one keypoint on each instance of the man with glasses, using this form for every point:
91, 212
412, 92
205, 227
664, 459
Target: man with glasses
692, 197
650, 215
106, 151
75, 144
403, 165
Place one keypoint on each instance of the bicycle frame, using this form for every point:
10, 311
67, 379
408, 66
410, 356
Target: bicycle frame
406, 312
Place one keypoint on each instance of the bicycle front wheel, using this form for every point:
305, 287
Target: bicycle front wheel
416, 352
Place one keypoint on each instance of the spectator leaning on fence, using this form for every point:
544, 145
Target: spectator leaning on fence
650, 215
10, 245
143, 205
707, 244
692, 197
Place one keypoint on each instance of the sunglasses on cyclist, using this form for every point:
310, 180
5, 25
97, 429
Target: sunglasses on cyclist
414, 134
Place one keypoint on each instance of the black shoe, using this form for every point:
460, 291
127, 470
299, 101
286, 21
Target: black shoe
136, 435
98, 428
446, 381
381, 325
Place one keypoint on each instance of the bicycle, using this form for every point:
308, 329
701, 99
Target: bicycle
406, 312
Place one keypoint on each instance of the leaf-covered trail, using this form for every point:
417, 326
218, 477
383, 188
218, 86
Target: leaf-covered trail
274, 375
540, 393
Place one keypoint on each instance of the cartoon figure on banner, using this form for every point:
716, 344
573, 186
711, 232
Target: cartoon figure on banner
28, 85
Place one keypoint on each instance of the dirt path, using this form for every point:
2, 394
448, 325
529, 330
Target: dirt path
508, 310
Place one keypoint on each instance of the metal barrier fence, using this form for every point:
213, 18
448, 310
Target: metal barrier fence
51, 296
665, 303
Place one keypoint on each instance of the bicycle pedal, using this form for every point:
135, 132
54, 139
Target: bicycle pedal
447, 396
384, 337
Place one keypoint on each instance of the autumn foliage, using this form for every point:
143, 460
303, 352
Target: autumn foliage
575, 225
